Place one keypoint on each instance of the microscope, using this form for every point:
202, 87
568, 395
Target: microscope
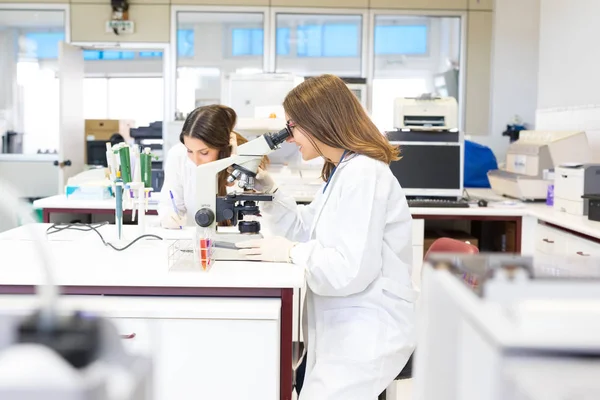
242, 167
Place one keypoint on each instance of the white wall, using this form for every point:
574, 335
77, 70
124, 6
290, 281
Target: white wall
514, 69
569, 76
569, 55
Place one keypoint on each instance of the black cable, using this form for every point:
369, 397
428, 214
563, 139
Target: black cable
55, 228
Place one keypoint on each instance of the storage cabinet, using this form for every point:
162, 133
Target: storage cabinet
556, 242
201, 348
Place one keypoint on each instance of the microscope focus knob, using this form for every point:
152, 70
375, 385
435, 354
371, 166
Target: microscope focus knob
228, 214
204, 217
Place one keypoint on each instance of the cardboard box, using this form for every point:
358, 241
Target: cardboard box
103, 129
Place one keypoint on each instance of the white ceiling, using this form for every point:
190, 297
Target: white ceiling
31, 18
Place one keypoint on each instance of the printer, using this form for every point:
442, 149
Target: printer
571, 183
426, 112
535, 152
432, 147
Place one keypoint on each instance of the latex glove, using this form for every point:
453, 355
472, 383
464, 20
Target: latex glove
273, 249
264, 183
171, 220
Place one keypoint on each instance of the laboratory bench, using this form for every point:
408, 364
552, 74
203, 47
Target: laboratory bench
225, 333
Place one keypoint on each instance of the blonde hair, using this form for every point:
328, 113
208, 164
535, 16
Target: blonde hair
329, 112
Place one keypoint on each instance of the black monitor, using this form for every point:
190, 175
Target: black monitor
431, 165
96, 152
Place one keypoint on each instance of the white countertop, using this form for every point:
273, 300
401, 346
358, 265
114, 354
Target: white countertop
61, 202
540, 211
80, 259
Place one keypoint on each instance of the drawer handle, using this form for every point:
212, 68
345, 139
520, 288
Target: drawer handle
548, 240
581, 253
129, 336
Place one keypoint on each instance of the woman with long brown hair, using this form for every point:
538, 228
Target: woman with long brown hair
207, 135
354, 242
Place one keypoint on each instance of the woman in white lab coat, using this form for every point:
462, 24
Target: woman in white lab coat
354, 242
207, 135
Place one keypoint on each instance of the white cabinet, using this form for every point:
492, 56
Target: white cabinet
418, 241
556, 242
201, 348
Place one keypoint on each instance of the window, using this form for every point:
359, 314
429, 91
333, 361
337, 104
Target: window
409, 53
328, 40
319, 43
185, 43
401, 39
44, 46
247, 42
250, 41
137, 99
230, 42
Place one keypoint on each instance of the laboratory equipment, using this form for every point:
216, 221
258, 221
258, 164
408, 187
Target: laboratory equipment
426, 112
126, 159
119, 205
238, 207
54, 353
431, 146
536, 151
488, 322
358, 86
571, 183
245, 92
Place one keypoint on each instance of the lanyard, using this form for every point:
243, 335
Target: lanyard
333, 171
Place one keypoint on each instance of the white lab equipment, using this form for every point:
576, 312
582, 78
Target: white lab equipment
245, 92
487, 323
54, 354
125, 160
426, 112
571, 183
239, 207
536, 151
357, 253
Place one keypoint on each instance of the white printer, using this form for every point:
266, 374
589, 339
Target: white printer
571, 182
536, 151
426, 112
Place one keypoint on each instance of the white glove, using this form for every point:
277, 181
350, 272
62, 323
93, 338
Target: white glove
171, 220
264, 183
273, 249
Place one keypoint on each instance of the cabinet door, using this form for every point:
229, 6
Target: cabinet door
243, 354
550, 241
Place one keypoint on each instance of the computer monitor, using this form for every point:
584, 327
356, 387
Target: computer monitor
431, 163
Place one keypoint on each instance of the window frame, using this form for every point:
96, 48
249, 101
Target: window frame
364, 33
171, 58
422, 13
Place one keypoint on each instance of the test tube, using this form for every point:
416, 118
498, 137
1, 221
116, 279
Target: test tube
203, 249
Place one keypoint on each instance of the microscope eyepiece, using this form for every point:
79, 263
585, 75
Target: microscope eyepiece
275, 139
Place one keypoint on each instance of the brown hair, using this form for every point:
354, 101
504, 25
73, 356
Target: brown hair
328, 111
213, 124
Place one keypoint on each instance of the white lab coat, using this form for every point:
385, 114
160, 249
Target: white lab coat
357, 251
180, 178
